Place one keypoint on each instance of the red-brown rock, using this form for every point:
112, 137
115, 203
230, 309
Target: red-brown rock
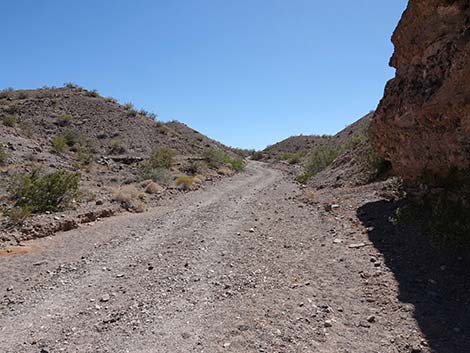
422, 124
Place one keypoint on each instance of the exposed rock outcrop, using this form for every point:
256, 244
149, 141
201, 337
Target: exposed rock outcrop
422, 124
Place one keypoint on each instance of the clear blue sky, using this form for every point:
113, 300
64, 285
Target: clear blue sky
245, 72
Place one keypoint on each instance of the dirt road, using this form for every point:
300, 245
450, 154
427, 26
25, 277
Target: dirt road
241, 266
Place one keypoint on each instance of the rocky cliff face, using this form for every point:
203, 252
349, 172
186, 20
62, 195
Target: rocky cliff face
422, 124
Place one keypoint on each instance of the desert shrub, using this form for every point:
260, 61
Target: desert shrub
64, 120
132, 113
184, 180
17, 214
193, 167
257, 155
84, 157
355, 140
59, 144
159, 175
71, 85
3, 154
5, 93
22, 95
9, 120
26, 128
321, 157
291, 158
162, 158
129, 106
111, 99
214, 157
445, 221
237, 163
92, 93
294, 158
41, 193
303, 178
116, 147
152, 187
130, 198
73, 139
149, 115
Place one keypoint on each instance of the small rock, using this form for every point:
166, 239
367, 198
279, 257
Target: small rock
335, 206
99, 202
357, 246
371, 318
252, 230
226, 345
105, 298
328, 323
337, 241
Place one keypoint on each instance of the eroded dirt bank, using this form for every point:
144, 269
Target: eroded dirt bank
242, 266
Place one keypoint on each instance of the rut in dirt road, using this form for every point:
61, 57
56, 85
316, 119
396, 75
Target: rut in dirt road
241, 266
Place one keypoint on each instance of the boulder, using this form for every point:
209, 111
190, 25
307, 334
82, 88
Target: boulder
422, 124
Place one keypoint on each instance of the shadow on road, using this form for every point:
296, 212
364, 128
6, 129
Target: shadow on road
436, 282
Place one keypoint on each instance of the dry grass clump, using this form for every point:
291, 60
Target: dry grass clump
152, 187
130, 198
225, 171
185, 182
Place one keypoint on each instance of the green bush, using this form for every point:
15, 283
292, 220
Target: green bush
294, 159
194, 167
59, 144
41, 193
214, 157
132, 113
92, 93
17, 214
116, 147
303, 178
160, 175
321, 157
129, 106
84, 157
26, 128
64, 120
237, 163
162, 158
9, 120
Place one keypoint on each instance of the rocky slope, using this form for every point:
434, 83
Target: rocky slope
422, 124
77, 130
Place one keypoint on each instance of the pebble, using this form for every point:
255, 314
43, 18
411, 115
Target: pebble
252, 230
104, 298
371, 318
357, 246
328, 323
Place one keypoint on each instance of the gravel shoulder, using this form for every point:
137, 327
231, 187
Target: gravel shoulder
241, 266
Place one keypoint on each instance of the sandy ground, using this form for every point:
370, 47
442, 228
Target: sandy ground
241, 266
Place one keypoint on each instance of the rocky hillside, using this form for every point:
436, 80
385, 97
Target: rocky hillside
41, 114
301, 144
422, 124
342, 159
115, 150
